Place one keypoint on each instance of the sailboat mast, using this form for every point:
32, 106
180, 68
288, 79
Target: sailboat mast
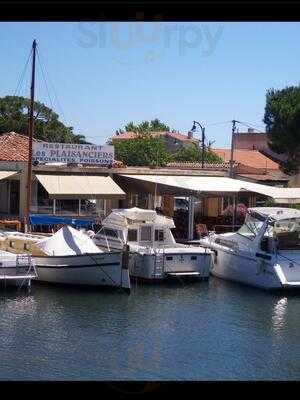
30, 136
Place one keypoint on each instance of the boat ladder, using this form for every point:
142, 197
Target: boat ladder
25, 269
159, 264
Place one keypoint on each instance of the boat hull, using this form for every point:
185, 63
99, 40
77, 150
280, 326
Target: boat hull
187, 265
100, 269
264, 273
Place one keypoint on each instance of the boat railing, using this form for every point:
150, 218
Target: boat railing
22, 269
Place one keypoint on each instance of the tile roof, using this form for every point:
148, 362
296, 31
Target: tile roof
251, 158
176, 135
198, 165
14, 147
264, 177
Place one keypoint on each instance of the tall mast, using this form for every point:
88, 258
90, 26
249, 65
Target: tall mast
30, 136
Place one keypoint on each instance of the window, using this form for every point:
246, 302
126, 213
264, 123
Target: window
159, 235
110, 232
287, 233
67, 206
193, 257
132, 235
146, 233
251, 227
169, 258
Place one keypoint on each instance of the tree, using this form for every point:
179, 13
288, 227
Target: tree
146, 126
282, 119
144, 150
193, 153
14, 114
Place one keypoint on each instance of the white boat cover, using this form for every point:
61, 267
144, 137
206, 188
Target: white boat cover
138, 214
68, 241
118, 217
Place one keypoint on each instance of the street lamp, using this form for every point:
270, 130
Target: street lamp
203, 139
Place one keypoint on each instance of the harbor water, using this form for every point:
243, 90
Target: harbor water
212, 330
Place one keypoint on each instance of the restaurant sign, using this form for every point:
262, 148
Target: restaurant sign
45, 152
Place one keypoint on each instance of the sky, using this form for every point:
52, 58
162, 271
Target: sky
101, 75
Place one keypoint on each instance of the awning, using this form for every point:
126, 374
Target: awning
80, 186
7, 174
200, 186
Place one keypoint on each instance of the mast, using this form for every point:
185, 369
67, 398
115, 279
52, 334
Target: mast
30, 136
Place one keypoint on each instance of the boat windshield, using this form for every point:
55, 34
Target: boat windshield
287, 233
251, 227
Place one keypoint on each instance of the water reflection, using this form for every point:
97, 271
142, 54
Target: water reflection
279, 314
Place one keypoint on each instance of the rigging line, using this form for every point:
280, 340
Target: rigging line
52, 85
45, 81
21, 79
219, 123
248, 126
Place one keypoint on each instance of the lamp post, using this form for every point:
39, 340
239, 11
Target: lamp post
203, 139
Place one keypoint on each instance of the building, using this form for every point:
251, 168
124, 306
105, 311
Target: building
256, 141
250, 140
174, 141
254, 166
56, 189
89, 191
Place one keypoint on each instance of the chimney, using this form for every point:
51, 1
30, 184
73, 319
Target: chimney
190, 134
250, 130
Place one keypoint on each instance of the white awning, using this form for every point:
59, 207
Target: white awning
80, 186
7, 174
216, 186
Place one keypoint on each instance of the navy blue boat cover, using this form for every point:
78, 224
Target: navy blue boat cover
40, 219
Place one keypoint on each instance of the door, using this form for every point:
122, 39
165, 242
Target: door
14, 197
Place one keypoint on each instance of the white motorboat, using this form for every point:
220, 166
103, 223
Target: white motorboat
265, 252
154, 253
71, 257
16, 270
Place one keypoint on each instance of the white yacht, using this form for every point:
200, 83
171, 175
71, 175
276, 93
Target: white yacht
154, 253
265, 252
69, 257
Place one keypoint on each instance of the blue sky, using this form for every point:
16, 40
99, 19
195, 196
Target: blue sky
107, 74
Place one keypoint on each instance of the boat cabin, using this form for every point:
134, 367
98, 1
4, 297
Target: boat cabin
274, 228
135, 227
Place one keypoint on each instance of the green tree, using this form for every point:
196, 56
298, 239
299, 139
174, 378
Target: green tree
14, 113
193, 153
282, 119
147, 126
144, 150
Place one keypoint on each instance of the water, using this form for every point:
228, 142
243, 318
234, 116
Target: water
202, 331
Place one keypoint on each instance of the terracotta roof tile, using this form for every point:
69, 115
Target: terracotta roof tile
14, 147
264, 177
198, 165
252, 158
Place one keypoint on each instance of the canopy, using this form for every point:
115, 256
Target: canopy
211, 186
7, 174
120, 217
80, 186
68, 241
